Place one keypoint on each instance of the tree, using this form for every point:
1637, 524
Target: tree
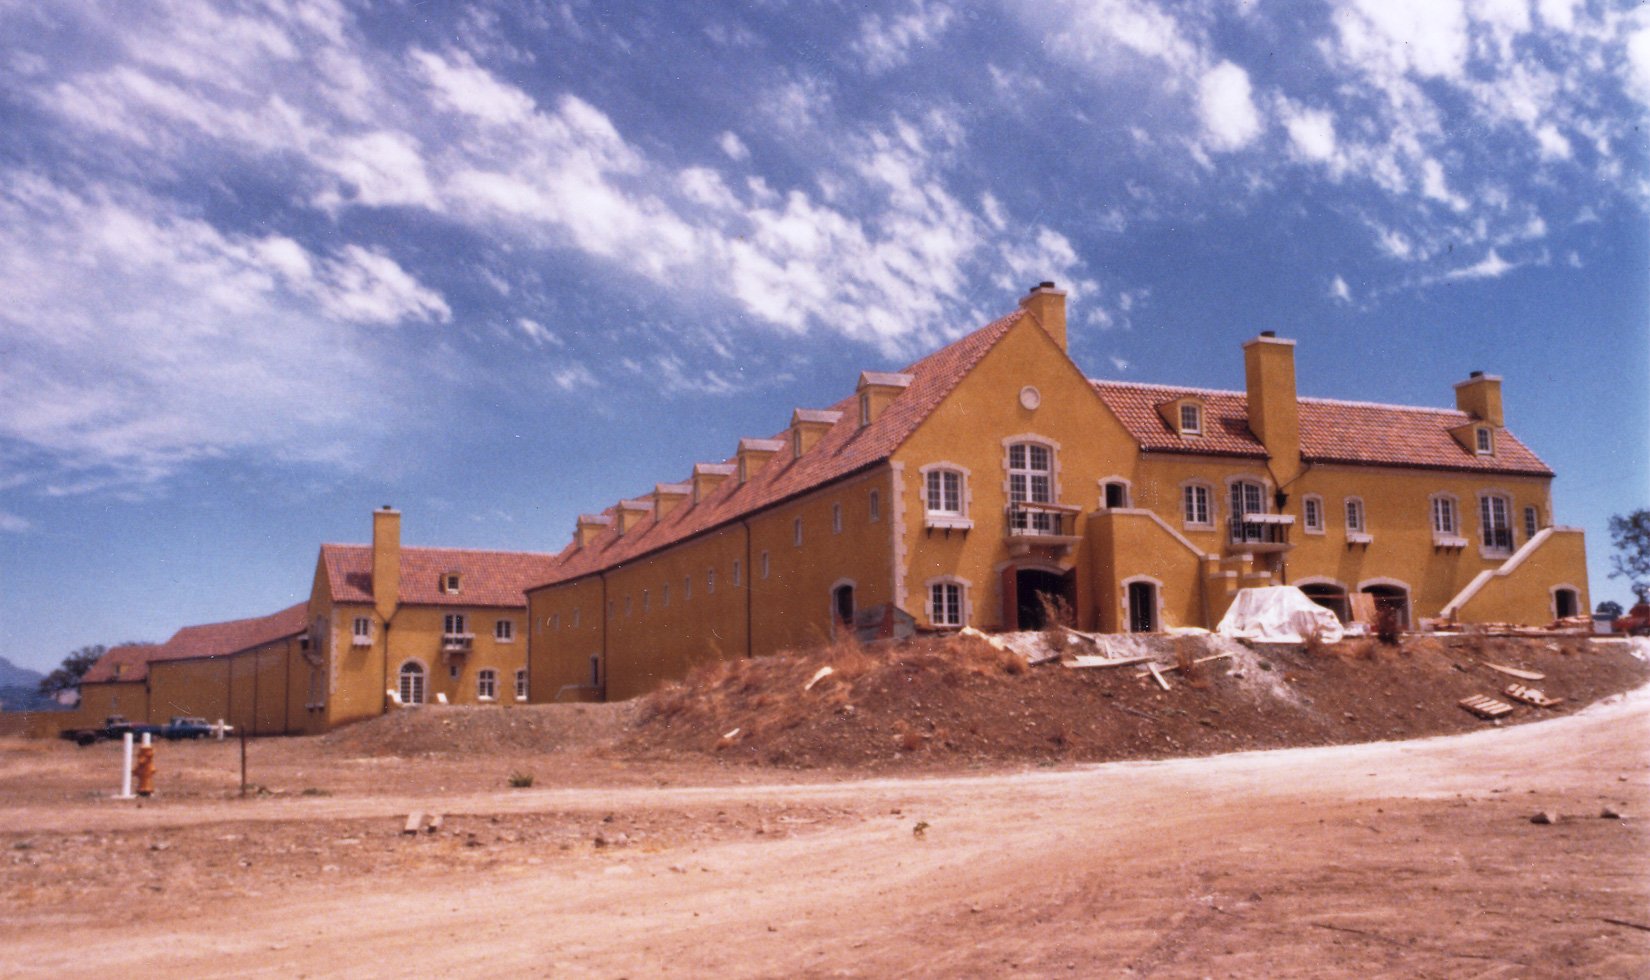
67, 676
1631, 536
1611, 608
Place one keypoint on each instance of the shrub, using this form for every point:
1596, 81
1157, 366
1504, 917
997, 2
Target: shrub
521, 780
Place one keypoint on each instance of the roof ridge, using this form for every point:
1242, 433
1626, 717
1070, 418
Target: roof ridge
420, 547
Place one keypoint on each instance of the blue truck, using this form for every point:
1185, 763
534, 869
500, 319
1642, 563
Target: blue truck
117, 726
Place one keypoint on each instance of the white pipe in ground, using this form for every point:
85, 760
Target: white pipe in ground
126, 769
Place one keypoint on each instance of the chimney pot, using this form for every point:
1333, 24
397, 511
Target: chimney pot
1268, 333
1046, 284
1476, 374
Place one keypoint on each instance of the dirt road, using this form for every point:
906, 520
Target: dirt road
1406, 858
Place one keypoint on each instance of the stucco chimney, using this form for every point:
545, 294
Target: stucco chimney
1047, 305
386, 560
1274, 411
1480, 397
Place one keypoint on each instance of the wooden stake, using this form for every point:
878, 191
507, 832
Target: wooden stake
1157, 676
243, 763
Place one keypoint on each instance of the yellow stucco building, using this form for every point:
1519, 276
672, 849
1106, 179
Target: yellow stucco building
957, 490
383, 624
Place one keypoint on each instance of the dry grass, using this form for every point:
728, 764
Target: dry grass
1186, 650
1057, 616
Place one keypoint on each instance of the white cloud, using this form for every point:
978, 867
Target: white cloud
887, 44
140, 340
1312, 134
1340, 291
538, 333
12, 524
733, 146
573, 377
1119, 364
1554, 146
1230, 120
1491, 266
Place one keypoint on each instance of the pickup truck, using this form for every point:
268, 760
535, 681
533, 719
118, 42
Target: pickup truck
116, 726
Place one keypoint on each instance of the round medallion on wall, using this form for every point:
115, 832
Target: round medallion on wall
1030, 397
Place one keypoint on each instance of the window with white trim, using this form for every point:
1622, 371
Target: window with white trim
449, 583
1312, 514
521, 684
836, 518
1195, 505
944, 493
1532, 522
361, 631
1247, 497
1355, 515
487, 685
410, 682
1495, 522
504, 631
1031, 481
796, 532
876, 506
452, 624
1485, 441
945, 604
1444, 520
1191, 418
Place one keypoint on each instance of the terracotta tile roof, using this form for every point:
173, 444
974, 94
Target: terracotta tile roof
488, 578
1358, 433
124, 663
843, 449
131, 662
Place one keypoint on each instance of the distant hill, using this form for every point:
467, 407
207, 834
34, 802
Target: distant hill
20, 687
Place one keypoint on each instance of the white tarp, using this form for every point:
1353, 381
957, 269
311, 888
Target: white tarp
1278, 614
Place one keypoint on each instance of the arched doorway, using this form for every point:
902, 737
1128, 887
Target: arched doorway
1142, 600
1031, 585
842, 605
1393, 597
1330, 596
411, 686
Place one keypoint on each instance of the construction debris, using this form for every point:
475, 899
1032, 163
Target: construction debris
819, 675
1157, 675
1486, 707
1545, 817
1531, 696
415, 820
1523, 675
1103, 661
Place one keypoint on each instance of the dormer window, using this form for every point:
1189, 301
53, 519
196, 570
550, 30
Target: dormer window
450, 583
1191, 419
1485, 441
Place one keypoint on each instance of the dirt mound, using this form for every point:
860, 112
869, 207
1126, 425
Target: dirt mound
945, 701
471, 730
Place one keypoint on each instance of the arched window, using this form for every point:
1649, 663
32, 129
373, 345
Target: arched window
412, 682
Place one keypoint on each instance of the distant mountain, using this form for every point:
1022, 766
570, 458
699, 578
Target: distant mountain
20, 687
12, 675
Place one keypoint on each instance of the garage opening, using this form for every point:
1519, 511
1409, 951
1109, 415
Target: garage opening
1331, 597
1142, 607
1393, 597
1030, 585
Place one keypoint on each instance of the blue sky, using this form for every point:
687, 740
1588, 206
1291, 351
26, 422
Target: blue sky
266, 266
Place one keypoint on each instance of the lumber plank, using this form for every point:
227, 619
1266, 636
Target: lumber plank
1157, 675
1523, 675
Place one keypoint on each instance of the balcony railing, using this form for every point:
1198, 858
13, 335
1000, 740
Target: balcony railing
1261, 532
1032, 524
457, 642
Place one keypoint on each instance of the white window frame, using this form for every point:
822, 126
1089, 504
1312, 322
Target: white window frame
453, 623
450, 582
1487, 499
1188, 509
1196, 416
1532, 521
521, 683
1233, 535
937, 509
487, 684
504, 631
423, 680
575, 617
1483, 440
1445, 505
1128, 492
361, 631
1312, 507
1021, 483
938, 602
1355, 506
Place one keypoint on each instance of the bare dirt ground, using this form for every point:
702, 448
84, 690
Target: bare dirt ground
1399, 858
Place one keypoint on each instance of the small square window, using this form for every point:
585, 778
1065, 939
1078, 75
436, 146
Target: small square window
362, 628
1486, 441
449, 583
504, 631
